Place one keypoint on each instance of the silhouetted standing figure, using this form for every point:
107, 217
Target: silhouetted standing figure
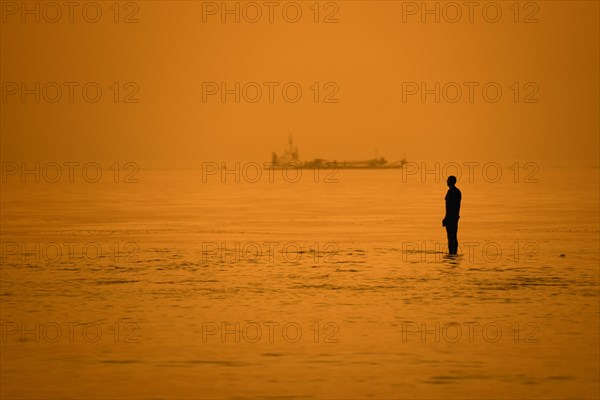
450, 221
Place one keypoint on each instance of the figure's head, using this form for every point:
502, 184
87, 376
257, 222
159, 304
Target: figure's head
451, 181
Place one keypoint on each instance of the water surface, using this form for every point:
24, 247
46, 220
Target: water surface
175, 288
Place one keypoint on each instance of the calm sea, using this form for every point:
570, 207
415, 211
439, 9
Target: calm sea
310, 286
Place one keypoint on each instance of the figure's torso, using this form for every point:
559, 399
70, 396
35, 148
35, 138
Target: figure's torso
453, 198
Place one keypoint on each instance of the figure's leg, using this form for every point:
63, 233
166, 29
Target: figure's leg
449, 235
452, 240
456, 238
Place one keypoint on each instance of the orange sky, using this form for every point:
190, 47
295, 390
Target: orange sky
368, 55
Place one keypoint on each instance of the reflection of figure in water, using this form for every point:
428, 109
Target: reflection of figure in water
450, 221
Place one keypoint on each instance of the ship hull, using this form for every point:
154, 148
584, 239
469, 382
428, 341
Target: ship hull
330, 166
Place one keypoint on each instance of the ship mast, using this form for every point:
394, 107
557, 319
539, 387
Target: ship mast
292, 151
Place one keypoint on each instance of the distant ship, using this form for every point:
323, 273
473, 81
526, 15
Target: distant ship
290, 158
